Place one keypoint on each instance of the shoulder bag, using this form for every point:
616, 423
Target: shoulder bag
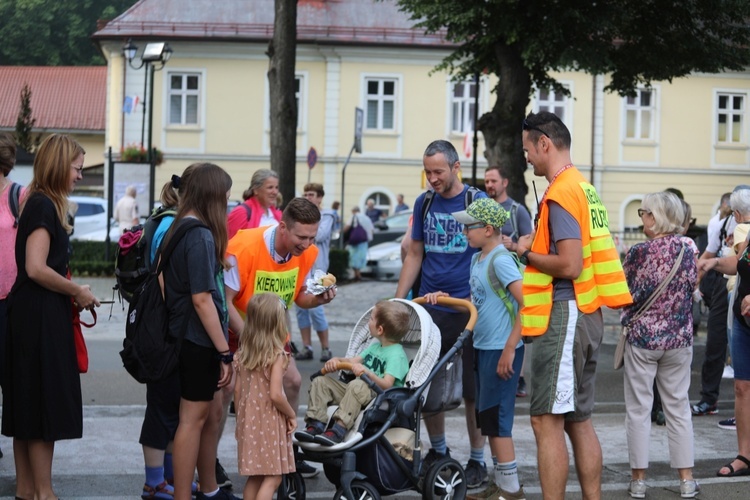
620, 350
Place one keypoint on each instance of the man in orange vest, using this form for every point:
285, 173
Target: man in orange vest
572, 269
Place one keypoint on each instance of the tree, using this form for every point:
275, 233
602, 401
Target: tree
635, 42
53, 32
25, 123
282, 53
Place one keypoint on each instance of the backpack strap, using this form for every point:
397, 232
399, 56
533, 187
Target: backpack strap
470, 195
497, 285
248, 211
514, 219
723, 231
14, 198
429, 196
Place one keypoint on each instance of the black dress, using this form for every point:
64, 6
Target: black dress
42, 396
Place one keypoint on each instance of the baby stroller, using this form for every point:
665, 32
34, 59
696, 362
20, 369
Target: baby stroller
382, 453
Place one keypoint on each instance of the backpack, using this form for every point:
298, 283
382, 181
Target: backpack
497, 285
514, 219
14, 198
149, 354
133, 260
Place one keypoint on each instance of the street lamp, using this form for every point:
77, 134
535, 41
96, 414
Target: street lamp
154, 53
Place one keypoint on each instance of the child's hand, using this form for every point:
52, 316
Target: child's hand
505, 364
332, 365
358, 369
291, 424
432, 297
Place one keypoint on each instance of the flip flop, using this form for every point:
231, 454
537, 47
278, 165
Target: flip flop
740, 472
161, 491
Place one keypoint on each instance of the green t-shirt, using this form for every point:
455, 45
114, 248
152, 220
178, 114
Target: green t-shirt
391, 360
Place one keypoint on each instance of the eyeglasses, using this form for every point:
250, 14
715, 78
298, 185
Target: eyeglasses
642, 211
527, 126
476, 225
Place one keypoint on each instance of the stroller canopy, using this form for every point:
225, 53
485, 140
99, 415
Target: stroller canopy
421, 342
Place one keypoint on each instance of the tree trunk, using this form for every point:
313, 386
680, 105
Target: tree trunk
282, 54
502, 126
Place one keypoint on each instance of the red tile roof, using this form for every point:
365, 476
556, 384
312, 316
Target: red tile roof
63, 98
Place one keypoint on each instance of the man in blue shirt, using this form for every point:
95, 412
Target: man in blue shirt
440, 250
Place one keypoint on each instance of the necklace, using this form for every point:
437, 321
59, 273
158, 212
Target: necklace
554, 178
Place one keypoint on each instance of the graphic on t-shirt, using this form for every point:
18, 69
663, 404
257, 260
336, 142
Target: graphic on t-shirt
443, 234
478, 293
282, 283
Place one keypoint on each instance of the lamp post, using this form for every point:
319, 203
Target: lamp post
155, 52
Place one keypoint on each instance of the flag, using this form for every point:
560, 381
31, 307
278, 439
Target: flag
127, 106
468, 144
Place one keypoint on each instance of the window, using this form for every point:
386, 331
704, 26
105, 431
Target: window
184, 91
299, 99
554, 102
463, 98
640, 112
731, 118
381, 103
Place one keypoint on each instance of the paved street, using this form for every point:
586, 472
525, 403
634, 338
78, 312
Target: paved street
107, 462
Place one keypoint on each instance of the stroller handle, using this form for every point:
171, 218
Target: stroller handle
455, 303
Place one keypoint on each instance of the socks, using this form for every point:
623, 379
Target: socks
438, 444
168, 470
212, 494
506, 476
154, 476
477, 454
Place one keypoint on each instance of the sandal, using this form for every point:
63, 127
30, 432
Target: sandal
162, 491
745, 471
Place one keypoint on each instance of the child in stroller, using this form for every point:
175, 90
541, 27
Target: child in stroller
383, 361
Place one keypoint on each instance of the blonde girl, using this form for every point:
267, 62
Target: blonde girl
265, 419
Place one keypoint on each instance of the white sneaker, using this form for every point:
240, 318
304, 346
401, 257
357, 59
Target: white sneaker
689, 488
728, 372
637, 488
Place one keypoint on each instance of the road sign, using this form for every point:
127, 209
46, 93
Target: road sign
359, 119
312, 157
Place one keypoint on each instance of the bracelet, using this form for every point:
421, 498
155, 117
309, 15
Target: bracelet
225, 358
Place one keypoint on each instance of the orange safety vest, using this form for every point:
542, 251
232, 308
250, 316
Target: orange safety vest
260, 273
602, 280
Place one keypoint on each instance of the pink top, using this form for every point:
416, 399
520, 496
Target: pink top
238, 217
8, 269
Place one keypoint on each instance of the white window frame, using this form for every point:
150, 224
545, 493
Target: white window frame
639, 111
380, 98
301, 96
184, 93
742, 113
465, 102
567, 103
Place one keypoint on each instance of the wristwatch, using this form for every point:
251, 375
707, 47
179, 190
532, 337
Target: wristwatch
225, 358
524, 258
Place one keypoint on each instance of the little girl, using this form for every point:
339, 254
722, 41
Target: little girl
265, 419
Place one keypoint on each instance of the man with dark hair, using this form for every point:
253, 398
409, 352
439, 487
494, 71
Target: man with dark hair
440, 250
400, 205
563, 293
276, 259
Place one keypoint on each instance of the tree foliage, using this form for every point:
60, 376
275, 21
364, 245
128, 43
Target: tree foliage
634, 42
53, 32
25, 123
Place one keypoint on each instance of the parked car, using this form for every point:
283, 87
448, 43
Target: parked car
384, 260
90, 217
391, 227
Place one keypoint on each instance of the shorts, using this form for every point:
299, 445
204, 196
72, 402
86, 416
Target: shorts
563, 363
496, 398
162, 412
314, 317
199, 372
740, 350
452, 325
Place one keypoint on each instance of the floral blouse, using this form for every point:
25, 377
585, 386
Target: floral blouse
668, 323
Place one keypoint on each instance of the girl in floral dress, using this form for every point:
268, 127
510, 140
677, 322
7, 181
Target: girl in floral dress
265, 419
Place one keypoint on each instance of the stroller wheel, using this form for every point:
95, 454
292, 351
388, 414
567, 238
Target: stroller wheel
361, 490
445, 479
292, 487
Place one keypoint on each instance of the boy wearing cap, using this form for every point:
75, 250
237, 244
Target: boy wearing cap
496, 292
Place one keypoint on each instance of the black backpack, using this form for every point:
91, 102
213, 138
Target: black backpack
14, 198
133, 263
149, 354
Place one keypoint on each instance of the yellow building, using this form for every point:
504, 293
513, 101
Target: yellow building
211, 104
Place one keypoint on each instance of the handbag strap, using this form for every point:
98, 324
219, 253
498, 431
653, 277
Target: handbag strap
660, 289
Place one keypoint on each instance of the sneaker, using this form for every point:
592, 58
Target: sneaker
305, 354
728, 372
729, 424
660, 418
521, 389
325, 354
689, 488
432, 457
518, 495
313, 429
637, 488
221, 495
492, 491
704, 408
162, 491
476, 474
331, 436
306, 470
222, 479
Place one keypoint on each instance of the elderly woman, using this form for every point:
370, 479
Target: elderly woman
259, 208
660, 342
740, 307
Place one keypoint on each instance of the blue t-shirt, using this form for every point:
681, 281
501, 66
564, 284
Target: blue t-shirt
161, 230
493, 322
447, 258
